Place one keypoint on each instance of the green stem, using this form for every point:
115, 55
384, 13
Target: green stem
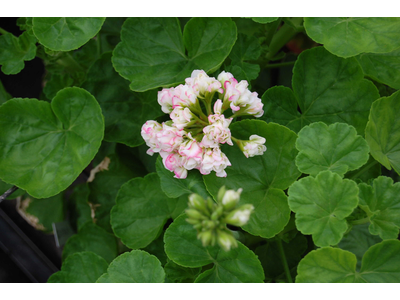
364, 169
280, 39
98, 40
271, 29
284, 261
361, 221
70, 63
288, 63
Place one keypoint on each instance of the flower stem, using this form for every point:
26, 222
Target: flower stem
284, 261
283, 64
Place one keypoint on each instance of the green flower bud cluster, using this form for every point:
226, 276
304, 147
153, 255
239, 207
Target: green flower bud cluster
210, 218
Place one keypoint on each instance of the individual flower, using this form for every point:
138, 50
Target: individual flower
201, 83
169, 138
183, 96
255, 146
173, 161
218, 132
164, 98
191, 152
181, 116
240, 216
149, 133
214, 160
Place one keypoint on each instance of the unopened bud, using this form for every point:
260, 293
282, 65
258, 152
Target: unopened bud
221, 194
197, 202
217, 213
226, 240
205, 237
231, 198
194, 214
240, 216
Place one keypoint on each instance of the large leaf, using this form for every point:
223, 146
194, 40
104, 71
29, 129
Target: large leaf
65, 34
381, 201
82, 267
347, 37
383, 131
43, 146
152, 52
321, 205
358, 241
15, 50
94, 239
382, 67
174, 187
237, 265
141, 211
327, 88
124, 111
337, 148
132, 267
381, 263
263, 178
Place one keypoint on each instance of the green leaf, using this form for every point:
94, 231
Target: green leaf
82, 267
114, 171
264, 20
321, 205
237, 265
176, 273
56, 83
326, 88
156, 248
152, 52
337, 148
65, 34
4, 96
382, 67
42, 213
110, 33
382, 203
382, 132
263, 178
94, 239
134, 267
80, 210
380, 264
141, 211
174, 187
347, 37
246, 48
358, 241
15, 50
124, 111
271, 260
43, 146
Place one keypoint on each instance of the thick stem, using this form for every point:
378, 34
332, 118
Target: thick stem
284, 35
364, 169
8, 193
2, 31
284, 261
284, 64
359, 222
271, 29
70, 63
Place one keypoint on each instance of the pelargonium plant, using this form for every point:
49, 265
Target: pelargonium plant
192, 139
205, 150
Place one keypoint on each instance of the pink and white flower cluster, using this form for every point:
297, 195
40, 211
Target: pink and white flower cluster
192, 139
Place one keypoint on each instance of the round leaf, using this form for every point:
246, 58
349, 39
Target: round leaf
337, 148
380, 264
152, 50
347, 37
133, 267
262, 177
237, 265
65, 34
327, 88
141, 211
382, 202
82, 267
43, 146
321, 205
382, 67
382, 132
124, 111
94, 239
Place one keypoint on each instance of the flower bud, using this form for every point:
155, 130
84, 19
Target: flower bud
206, 237
240, 216
226, 240
231, 198
194, 214
197, 202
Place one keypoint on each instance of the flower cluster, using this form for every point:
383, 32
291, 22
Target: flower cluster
192, 139
210, 218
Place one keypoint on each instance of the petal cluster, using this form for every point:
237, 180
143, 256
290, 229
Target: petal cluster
192, 138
